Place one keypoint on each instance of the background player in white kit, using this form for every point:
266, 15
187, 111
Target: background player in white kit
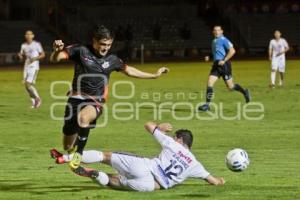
277, 49
32, 52
174, 164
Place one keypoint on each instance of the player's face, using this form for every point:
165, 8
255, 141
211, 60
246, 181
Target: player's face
217, 31
29, 36
102, 46
277, 35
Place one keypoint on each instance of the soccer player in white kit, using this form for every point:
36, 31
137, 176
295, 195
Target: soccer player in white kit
32, 52
172, 166
277, 49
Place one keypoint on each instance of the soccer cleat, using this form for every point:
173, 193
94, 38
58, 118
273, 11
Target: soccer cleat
272, 86
75, 162
247, 96
204, 107
38, 102
57, 156
86, 172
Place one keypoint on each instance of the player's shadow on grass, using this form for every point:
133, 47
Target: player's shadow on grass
12, 186
194, 195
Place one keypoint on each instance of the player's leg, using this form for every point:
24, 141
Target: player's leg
88, 157
69, 141
101, 178
29, 81
281, 78
212, 79
281, 70
70, 130
227, 77
133, 173
86, 115
273, 72
30, 88
234, 86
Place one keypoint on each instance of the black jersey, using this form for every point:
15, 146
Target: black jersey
92, 71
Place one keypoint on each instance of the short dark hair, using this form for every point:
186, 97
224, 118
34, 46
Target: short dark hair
186, 136
101, 32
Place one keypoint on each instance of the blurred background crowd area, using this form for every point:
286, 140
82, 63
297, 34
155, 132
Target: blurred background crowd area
161, 29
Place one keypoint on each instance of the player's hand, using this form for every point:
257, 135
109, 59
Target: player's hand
221, 181
165, 127
58, 45
21, 57
206, 58
221, 62
162, 70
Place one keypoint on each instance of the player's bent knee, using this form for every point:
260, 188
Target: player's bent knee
83, 121
27, 84
107, 158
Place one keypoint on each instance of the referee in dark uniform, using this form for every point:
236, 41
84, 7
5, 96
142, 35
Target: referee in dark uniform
222, 50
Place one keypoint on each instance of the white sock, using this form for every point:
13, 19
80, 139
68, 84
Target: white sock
102, 178
281, 80
90, 156
273, 77
32, 101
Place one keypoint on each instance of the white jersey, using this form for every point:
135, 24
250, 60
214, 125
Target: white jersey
278, 47
175, 163
31, 50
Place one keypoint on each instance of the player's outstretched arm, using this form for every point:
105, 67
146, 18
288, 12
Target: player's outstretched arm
133, 72
215, 180
58, 54
164, 127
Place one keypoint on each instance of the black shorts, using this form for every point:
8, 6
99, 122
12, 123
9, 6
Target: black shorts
224, 71
73, 107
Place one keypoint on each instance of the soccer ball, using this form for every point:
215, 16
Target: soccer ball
237, 160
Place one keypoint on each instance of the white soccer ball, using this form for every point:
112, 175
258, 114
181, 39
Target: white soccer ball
237, 160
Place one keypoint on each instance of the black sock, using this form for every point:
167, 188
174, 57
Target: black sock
209, 94
239, 88
81, 139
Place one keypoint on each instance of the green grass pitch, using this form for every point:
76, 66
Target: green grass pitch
273, 143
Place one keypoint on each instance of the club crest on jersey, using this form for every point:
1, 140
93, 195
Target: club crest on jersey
105, 65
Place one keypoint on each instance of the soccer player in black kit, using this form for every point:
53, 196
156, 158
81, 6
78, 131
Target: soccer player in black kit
93, 65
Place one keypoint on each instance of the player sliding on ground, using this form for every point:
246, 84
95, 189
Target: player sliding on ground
277, 49
93, 66
32, 52
172, 166
222, 50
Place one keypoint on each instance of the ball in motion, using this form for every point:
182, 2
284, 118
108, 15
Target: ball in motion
237, 160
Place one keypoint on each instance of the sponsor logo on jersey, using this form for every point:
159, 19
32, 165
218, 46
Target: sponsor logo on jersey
105, 65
